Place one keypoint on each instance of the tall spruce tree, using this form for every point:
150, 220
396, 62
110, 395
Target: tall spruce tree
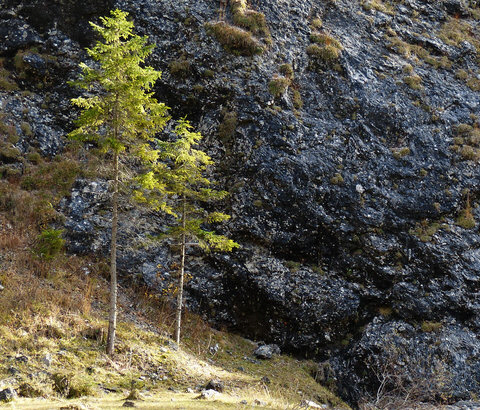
176, 184
119, 113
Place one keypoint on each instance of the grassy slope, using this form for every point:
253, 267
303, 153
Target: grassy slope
54, 308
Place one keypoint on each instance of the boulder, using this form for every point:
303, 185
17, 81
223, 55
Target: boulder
216, 385
7, 395
207, 394
16, 34
266, 351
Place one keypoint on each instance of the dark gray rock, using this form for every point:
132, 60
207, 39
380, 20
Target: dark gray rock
216, 385
16, 34
456, 7
426, 362
12, 370
266, 351
70, 16
7, 395
464, 405
21, 359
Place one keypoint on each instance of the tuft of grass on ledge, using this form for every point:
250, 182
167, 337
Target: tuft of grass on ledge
251, 20
235, 39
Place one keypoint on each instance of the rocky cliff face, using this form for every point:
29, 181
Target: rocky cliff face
350, 147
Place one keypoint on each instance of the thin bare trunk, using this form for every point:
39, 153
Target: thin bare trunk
112, 316
181, 277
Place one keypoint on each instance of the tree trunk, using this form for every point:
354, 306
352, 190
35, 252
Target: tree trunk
181, 277
112, 317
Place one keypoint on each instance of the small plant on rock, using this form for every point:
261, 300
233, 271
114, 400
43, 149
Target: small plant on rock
180, 67
324, 48
286, 70
235, 39
466, 219
278, 85
413, 81
248, 19
49, 243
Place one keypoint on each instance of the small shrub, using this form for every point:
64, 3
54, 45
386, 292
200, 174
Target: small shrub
474, 83
297, 99
317, 23
398, 46
474, 136
317, 269
53, 176
438, 62
431, 326
226, 129
8, 130
209, 73
49, 243
252, 21
337, 179
6, 83
293, 266
278, 85
180, 67
468, 153
385, 311
286, 70
80, 388
407, 68
326, 54
26, 129
61, 384
18, 61
9, 153
234, 39
467, 142
27, 390
34, 157
425, 230
401, 152
454, 31
248, 19
464, 129
325, 40
466, 219
325, 49
461, 74
198, 88
413, 81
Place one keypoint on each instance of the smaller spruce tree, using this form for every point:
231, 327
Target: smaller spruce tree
176, 185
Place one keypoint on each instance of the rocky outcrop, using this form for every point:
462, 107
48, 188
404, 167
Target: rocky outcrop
354, 186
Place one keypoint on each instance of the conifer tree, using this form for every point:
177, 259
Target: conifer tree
176, 184
118, 113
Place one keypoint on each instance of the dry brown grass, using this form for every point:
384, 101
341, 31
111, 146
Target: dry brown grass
235, 39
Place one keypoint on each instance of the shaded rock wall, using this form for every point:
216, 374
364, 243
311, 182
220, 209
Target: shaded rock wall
354, 212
